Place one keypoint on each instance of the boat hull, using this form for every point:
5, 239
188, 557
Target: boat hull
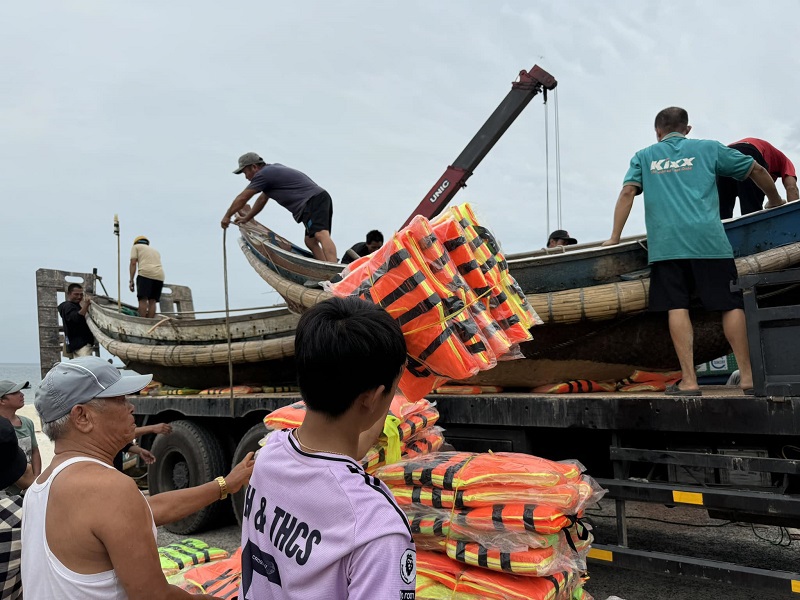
556, 269
276, 372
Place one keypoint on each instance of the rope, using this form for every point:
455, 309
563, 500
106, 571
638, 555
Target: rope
558, 161
227, 309
546, 166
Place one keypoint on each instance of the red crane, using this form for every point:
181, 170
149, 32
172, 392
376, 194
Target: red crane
522, 92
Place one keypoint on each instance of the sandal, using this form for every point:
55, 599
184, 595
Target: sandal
674, 390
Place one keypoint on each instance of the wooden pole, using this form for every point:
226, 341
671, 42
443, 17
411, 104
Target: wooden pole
119, 267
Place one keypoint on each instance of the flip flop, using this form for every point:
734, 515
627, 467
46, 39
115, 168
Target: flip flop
749, 392
674, 390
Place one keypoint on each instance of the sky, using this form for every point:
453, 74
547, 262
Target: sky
142, 108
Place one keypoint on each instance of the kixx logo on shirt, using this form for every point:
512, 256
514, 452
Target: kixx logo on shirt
666, 165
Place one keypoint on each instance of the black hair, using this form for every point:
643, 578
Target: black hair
73, 286
671, 119
344, 347
374, 236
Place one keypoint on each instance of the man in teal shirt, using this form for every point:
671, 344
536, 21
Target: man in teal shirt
687, 246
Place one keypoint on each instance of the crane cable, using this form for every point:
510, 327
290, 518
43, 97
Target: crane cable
557, 162
546, 166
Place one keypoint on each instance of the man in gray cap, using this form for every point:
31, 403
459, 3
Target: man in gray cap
88, 533
309, 204
14, 471
12, 400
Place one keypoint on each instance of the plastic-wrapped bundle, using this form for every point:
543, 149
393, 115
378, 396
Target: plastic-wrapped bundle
575, 386
516, 517
538, 562
566, 497
177, 556
418, 238
454, 239
220, 579
461, 470
469, 583
426, 442
416, 422
443, 268
286, 417
447, 524
507, 302
435, 329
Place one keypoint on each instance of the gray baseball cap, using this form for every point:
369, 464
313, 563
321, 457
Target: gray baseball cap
245, 160
80, 380
9, 387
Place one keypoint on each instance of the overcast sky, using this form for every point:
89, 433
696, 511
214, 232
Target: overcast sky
142, 108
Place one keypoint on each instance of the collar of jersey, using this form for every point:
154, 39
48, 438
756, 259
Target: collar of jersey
321, 456
673, 134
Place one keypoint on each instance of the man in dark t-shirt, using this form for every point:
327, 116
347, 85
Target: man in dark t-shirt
79, 338
309, 204
373, 242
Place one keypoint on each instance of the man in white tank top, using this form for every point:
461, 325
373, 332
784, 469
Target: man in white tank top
87, 531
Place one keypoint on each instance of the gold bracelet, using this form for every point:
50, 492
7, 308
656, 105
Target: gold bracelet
223, 487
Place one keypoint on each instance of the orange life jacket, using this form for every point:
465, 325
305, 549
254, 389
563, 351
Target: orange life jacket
575, 386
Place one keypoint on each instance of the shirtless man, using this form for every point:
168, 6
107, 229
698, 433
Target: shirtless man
87, 532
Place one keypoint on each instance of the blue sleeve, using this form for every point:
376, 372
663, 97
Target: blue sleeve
634, 174
732, 163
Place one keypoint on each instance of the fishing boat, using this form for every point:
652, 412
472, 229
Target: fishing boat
549, 269
595, 332
194, 353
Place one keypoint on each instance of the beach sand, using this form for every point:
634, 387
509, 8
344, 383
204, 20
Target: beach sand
45, 445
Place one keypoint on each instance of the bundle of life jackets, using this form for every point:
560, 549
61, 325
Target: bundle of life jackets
220, 578
188, 552
409, 430
514, 515
441, 578
447, 285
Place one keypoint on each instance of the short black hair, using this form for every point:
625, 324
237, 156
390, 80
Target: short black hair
344, 347
73, 286
374, 236
671, 119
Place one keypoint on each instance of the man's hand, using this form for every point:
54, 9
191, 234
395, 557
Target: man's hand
240, 474
147, 456
87, 300
226, 220
164, 428
131, 285
611, 242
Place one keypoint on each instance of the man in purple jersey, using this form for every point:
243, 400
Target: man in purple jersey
315, 525
309, 203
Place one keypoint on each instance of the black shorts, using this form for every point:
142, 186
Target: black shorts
318, 214
148, 289
751, 197
675, 283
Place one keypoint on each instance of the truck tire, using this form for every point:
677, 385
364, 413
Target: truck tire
187, 457
248, 443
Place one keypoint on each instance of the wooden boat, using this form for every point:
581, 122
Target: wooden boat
183, 352
596, 332
553, 269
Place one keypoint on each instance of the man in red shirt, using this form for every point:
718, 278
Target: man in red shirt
751, 198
